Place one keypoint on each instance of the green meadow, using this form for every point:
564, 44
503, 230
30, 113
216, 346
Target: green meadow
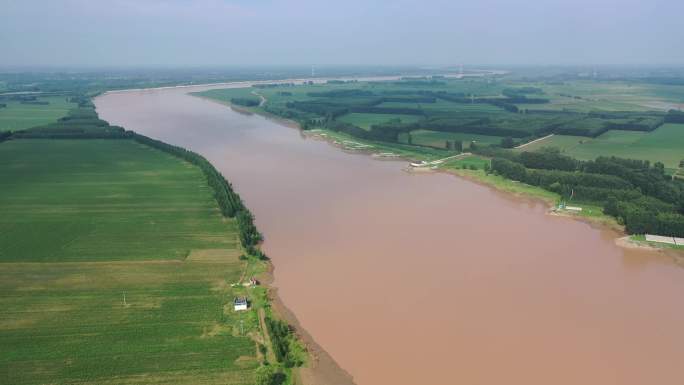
665, 144
437, 139
89, 200
562, 142
115, 268
17, 115
365, 121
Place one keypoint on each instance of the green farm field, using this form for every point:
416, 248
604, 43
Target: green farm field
665, 144
586, 96
17, 116
87, 222
562, 142
103, 200
438, 139
365, 121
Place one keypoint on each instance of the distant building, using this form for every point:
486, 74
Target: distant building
240, 303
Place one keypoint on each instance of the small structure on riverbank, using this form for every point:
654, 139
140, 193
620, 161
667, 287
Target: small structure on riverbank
563, 206
240, 303
665, 239
251, 283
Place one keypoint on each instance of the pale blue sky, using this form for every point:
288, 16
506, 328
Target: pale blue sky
398, 32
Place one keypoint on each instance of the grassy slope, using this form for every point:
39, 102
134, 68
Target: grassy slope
85, 221
18, 116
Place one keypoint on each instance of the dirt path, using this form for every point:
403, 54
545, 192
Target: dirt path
440, 161
263, 99
534, 141
267, 338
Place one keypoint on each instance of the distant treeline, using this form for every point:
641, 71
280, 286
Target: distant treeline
273, 85
674, 116
420, 82
343, 93
639, 194
247, 102
81, 122
511, 92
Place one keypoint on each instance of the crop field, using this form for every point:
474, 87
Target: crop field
665, 144
586, 96
562, 142
115, 268
446, 107
367, 120
109, 200
472, 162
438, 139
17, 115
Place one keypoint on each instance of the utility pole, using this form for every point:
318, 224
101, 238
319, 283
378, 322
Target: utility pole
124, 299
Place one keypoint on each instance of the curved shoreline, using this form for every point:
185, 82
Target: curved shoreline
620, 236
322, 368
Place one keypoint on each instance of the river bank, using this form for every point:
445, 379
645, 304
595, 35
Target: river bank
383, 151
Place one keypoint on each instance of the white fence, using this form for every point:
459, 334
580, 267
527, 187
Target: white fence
662, 239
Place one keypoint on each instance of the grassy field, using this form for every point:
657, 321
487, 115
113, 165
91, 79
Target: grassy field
665, 144
108, 200
18, 116
443, 106
562, 142
365, 121
87, 222
437, 138
588, 95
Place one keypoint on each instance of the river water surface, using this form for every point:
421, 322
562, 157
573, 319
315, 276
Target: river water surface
430, 279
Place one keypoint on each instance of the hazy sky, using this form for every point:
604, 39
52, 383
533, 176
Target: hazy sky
274, 32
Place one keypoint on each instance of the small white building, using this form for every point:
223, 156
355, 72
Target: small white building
240, 303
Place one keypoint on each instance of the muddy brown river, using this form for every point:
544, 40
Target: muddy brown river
430, 279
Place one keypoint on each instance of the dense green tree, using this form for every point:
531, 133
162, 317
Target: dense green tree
507, 142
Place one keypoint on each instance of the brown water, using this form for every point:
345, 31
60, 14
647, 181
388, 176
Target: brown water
430, 279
